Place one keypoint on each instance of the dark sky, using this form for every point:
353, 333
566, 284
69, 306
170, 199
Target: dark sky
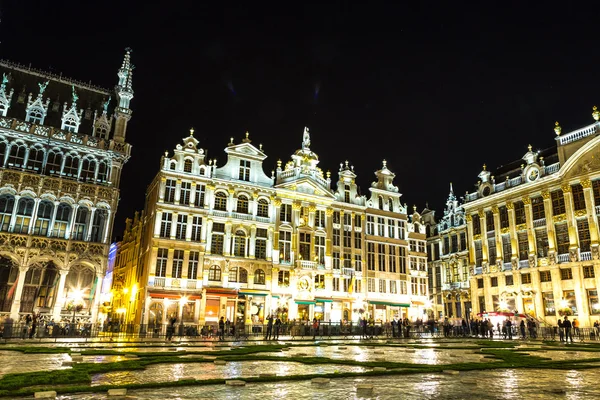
436, 90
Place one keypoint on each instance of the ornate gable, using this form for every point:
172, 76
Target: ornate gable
37, 110
5, 97
102, 124
71, 119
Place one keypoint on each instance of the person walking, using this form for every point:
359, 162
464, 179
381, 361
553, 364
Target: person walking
522, 328
568, 330
277, 327
222, 328
561, 330
269, 327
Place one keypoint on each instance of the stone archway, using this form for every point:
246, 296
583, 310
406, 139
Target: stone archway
40, 288
8, 277
80, 287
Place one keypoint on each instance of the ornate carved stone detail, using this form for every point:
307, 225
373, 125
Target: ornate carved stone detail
469, 218
595, 252
546, 195
481, 213
329, 212
586, 183
509, 205
573, 255
526, 200
532, 261
515, 264
566, 188
559, 218
495, 209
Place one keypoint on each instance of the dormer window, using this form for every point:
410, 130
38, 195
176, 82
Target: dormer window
187, 166
390, 205
70, 125
35, 116
380, 203
244, 170
347, 193
3, 110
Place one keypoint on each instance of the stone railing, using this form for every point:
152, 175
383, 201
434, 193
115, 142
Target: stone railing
585, 256
58, 134
539, 223
578, 134
305, 264
563, 258
174, 283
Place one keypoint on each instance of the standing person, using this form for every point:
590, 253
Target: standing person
269, 327
576, 327
315, 326
222, 328
277, 327
363, 322
568, 333
522, 327
34, 320
561, 331
509, 328
394, 326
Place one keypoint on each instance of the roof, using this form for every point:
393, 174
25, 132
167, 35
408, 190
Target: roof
513, 168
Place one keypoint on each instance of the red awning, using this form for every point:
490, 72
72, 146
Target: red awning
222, 292
172, 296
502, 314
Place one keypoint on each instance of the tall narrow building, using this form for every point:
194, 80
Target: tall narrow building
62, 151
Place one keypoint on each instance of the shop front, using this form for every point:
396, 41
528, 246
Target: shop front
385, 311
252, 307
305, 309
220, 303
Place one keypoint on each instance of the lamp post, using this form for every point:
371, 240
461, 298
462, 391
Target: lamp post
75, 299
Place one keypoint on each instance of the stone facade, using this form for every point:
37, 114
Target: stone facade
235, 242
62, 149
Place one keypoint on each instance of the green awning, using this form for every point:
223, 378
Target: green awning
252, 293
275, 296
387, 303
324, 300
304, 302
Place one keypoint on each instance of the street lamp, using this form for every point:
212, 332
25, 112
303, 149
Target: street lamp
75, 299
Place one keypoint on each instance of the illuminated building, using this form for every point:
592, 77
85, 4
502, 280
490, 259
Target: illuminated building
232, 241
533, 231
62, 149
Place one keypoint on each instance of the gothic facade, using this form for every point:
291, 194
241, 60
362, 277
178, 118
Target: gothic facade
533, 234
62, 150
231, 241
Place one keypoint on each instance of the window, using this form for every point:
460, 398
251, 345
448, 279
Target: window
392, 258
558, 202
196, 229
217, 236
358, 221
214, 273
523, 242
336, 284
285, 213
347, 221
186, 191
54, 162
381, 257
390, 205
71, 167
414, 286
506, 248
165, 225
491, 249
347, 260
562, 238
192, 272
545, 276
170, 186
242, 204
161, 262
596, 191
221, 201
402, 260
588, 271
357, 240
199, 199
336, 217
382, 284
61, 220
509, 280
260, 247
320, 219
285, 246
238, 275
371, 256
319, 281
584, 234
336, 260
380, 201
391, 228
381, 226
476, 224
102, 171
594, 304
69, 125
489, 221
35, 116
541, 242
519, 212
244, 170
16, 156
566, 274
262, 209
304, 249
7, 204
336, 237
548, 299
347, 193
177, 268
259, 277
88, 169
569, 297
370, 284
239, 244
181, 228
494, 281
283, 278
478, 253
24, 214
537, 208
370, 225
578, 198
526, 278
36, 160
393, 288
358, 262
187, 166
463, 241
320, 249
81, 221
42, 221
347, 239
479, 283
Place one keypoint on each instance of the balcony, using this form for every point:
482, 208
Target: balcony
307, 265
455, 286
523, 264
585, 256
174, 283
563, 258
539, 223
506, 266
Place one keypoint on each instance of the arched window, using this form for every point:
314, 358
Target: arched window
233, 274
63, 214
81, 220
54, 162
16, 156
259, 277
70, 125
24, 215
7, 204
214, 273
3, 109
380, 203
201, 171
220, 201
187, 166
243, 275
156, 314
71, 166
42, 221
35, 116
242, 204
35, 159
173, 165
38, 287
263, 208
283, 278
2, 152
239, 244
102, 171
81, 279
98, 224
88, 170
347, 193
390, 205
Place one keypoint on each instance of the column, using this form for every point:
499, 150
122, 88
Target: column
206, 238
270, 243
107, 226
590, 209
157, 223
72, 221
193, 194
530, 231
13, 217
583, 308
97, 295
470, 244
514, 244
174, 216
275, 242
36, 204
498, 237
484, 242
197, 305
253, 206
188, 228
146, 311
16, 303
557, 288
54, 210
252, 246
230, 202
549, 225
489, 301
227, 239
571, 222
161, 190
177, 191
538, 302
209, 201
328, 244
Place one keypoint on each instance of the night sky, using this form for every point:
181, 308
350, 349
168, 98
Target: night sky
435, 90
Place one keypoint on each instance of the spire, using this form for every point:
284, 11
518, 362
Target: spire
451, 190
124, 87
